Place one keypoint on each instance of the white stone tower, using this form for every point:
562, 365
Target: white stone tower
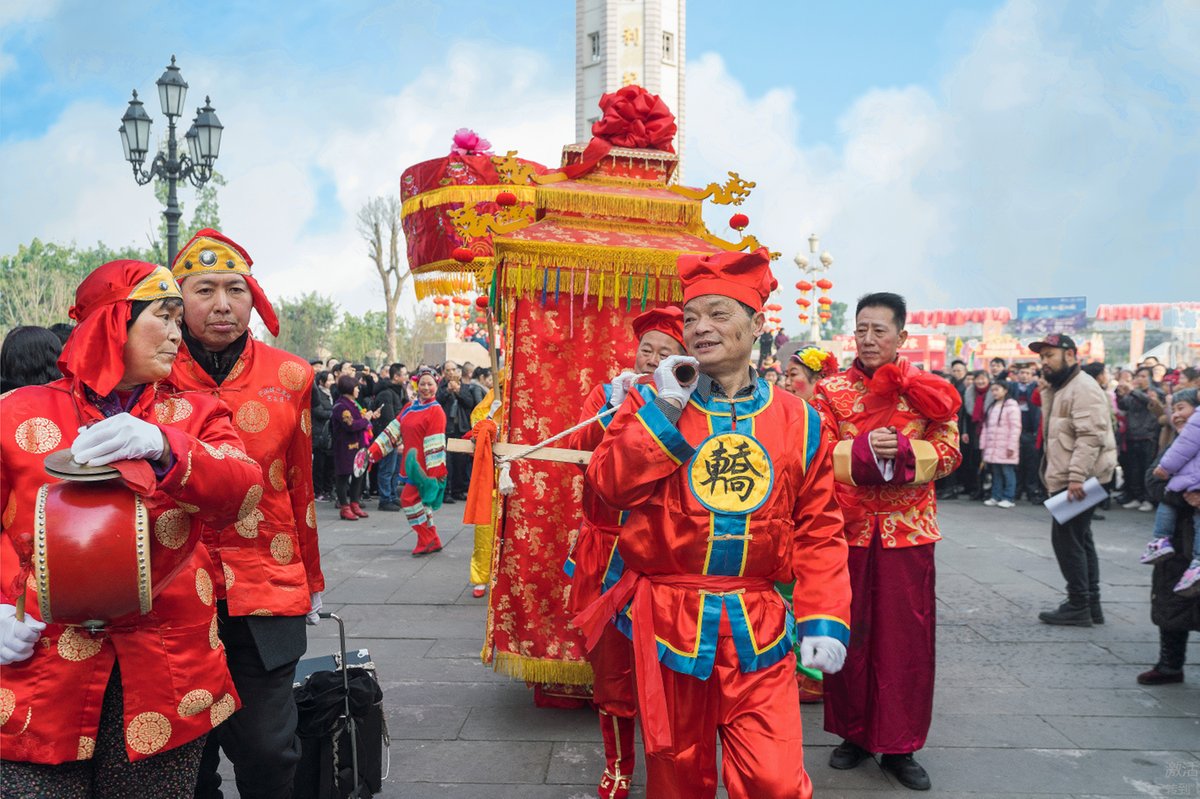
618, 42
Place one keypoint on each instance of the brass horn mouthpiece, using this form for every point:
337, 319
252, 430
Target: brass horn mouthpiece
685, 373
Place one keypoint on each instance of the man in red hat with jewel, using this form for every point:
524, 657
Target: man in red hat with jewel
594, 564
268, 564
897, 432
729, 488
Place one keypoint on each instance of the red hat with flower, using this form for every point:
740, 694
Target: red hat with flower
744, 276
668, 320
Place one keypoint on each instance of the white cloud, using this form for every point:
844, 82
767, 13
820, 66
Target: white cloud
1047, 162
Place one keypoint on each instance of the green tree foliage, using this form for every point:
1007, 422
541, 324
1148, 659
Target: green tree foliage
362, 339
837, 320
306, 324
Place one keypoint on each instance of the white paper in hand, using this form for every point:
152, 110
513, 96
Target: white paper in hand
1063, 509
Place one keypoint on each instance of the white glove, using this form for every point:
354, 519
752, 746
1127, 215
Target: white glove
620, 387
668, 385
17, 637
822, 652
118, 438
312, 618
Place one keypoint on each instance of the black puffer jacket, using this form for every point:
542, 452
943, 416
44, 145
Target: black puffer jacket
322, 411
1168, 610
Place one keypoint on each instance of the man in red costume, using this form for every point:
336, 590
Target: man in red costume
595, 565
729, 488
268, 564
896, 433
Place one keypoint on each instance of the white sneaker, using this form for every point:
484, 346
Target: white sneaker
1131, 504
1004, 503
1146, 507
991, 503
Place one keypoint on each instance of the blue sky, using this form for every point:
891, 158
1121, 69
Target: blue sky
966, 153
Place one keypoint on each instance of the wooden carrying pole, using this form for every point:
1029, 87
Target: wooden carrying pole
580, 457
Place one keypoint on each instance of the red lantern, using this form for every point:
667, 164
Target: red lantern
824, 284
826, 301
481, 301
506, 198
825, 316
463, 255
802, 302
804, 285
739, 222
803, 317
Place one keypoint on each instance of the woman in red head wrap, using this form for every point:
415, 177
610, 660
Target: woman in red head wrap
119, 707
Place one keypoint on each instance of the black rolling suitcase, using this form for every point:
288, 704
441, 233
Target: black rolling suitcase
341, 727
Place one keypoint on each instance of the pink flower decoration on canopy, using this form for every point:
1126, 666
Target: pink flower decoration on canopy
468, 142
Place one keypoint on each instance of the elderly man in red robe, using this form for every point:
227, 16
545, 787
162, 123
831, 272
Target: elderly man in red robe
896, 433
729, 488
595, 565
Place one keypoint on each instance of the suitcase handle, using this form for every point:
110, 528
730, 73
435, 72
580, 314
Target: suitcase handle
350, 723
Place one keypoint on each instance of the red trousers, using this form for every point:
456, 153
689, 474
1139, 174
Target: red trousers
612, 657
756, 715
882, 699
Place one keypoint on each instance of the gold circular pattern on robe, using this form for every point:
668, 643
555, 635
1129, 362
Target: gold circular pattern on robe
248, 527
310, 515
291, 375
236, 454
194, 702
86, 748
204, 586
148, 732
75, 646
174, 409
37, 435
8, 703
250, 503
171, 528
306, 422
282, 548
188, 507
222, 709
261, 612
211, 450
276, 475
253, 417
10, 510
228, 572
214, 637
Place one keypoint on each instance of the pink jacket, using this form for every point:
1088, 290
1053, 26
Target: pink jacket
1002, 433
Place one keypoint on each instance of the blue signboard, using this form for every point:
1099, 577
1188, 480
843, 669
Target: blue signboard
1051, 314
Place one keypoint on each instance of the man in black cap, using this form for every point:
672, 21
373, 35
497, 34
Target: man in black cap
1078, 444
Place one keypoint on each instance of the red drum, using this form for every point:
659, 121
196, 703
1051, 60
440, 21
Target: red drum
92, 554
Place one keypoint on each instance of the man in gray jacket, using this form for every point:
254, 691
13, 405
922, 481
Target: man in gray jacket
1078, 444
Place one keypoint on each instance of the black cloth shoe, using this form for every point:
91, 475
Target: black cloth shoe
1098, 517
847, 755
1157, 677
1097, 613
908, 771
389, 506
1068, 615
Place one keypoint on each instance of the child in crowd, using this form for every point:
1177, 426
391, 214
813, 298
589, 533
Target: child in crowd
1000, 441
1180, 466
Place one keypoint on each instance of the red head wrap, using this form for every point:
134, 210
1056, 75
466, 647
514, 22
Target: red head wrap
211, 252
667, 320
744, 276
95, 352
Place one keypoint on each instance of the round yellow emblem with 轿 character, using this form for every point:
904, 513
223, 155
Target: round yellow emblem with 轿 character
731, 473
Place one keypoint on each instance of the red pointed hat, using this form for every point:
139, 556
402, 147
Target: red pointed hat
95, 351
668, 320
744, 276
212, 252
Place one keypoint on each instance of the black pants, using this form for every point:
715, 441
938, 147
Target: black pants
108, 774
260, 739
969, 474
1172, 649
1076, 554
349, 488
322, 472
1139, 456
458, 470
1028, 481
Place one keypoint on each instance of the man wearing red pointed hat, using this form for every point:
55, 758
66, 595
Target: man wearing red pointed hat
269, 567
594, 564
729, 489
122, 710
896, 433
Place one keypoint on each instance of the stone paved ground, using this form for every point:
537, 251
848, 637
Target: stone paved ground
1022, 709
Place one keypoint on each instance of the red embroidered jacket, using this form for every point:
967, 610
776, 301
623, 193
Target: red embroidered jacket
173, 671
268, 563
923, 408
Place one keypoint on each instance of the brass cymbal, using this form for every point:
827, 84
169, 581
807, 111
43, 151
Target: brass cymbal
60, 464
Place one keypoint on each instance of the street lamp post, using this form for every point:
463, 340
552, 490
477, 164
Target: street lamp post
196, 165
819, 266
